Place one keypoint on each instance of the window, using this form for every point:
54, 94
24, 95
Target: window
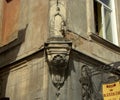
105, 20
10, 18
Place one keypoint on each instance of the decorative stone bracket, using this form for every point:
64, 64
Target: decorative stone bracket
57, 56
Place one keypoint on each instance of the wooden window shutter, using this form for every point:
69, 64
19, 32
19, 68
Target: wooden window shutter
11, 9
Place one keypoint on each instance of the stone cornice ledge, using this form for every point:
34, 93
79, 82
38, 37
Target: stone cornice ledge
20, 59
105, 43
95, 63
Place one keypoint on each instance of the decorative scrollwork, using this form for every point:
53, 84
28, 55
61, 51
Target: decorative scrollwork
59, 61
59, 65
86, 83
112, 67
57, 55
89, 91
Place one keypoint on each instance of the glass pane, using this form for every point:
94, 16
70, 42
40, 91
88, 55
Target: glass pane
108, 28
106, 2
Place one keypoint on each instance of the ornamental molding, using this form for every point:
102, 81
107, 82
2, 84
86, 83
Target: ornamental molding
57, 57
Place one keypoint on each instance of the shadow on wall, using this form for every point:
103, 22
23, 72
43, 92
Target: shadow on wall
8, 54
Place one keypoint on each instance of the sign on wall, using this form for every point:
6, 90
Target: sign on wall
111, 91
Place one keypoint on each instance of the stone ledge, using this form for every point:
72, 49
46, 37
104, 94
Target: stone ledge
105, 42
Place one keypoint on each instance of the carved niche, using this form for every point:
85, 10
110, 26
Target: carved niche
57, 18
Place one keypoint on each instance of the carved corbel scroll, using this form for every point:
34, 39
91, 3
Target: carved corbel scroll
57, 55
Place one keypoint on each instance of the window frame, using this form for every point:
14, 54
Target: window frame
113, 20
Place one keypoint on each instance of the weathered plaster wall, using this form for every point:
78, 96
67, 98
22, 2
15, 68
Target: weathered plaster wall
33, 30
35, 15
77, 16
26, 80
34, 21
81, 26
117, 3
29, 79
73, 88
93, 49
1, 8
